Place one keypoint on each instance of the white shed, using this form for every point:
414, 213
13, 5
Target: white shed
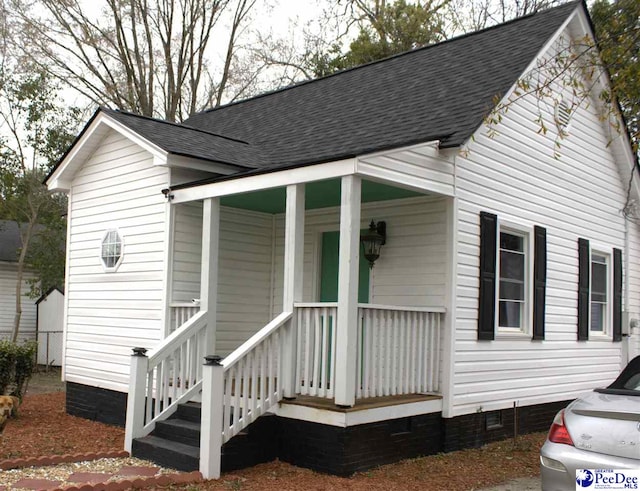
50, 319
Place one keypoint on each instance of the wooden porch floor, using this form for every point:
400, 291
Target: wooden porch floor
361, 404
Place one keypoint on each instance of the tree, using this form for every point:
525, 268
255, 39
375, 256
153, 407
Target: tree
383, 29
39, 131
603, 72
146, 56
388, 29
473, 15
617, 26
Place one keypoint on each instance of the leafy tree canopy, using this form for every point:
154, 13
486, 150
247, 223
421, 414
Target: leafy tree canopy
37, 130
384, 29
617, 26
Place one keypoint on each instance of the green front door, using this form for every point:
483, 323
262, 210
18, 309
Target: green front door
329, 270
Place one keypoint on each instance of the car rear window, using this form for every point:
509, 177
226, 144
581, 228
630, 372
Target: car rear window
628, 382
633, 383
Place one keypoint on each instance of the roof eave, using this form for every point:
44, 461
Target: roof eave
61, 176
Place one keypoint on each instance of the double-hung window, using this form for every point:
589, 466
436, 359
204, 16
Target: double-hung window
512, 286
599, 292
513, 272
599, 300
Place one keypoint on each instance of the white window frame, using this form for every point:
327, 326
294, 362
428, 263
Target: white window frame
111, 269
526, 232
607, 253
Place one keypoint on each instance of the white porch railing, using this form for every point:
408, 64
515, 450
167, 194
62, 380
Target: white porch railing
398, 350
252, 379
247, 384
170, 375
181, 312
316, 348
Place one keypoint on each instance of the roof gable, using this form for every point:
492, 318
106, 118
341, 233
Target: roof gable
439, 93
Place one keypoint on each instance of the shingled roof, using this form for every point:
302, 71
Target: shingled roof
439, 92
191, 142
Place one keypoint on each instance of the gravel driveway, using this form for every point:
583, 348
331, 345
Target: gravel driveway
522, 484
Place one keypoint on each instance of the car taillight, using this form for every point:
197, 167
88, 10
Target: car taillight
558, 432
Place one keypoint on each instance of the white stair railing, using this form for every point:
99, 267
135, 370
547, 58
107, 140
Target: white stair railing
239, 389
398, 350
252, 379
171, 374
316, 348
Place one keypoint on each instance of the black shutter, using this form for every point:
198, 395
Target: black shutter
583, 289
617, 295
539, 280
487, 300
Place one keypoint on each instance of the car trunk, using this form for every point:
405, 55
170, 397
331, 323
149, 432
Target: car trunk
606, 423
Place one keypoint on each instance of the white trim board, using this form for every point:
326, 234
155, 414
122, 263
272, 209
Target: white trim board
354, 418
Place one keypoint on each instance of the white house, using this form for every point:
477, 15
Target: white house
10, 245
505, 287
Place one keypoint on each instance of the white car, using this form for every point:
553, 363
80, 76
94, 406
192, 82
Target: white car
600, 430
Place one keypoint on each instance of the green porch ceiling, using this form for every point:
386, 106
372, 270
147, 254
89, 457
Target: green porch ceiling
319, 194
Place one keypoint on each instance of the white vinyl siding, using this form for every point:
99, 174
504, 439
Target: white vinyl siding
412, 264
515, 175
8, 278
419, 166
111, 312
244, 279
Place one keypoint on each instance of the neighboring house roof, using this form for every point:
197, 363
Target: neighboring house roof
10, 241
440, 92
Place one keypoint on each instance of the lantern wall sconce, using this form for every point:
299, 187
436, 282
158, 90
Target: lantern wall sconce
373, 240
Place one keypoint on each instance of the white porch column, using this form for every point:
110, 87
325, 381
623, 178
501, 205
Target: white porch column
347, 322
209, 269
293, 271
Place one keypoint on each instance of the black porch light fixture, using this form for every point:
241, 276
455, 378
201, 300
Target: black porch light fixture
372, 241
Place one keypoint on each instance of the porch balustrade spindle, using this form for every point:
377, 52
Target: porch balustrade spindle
398, 350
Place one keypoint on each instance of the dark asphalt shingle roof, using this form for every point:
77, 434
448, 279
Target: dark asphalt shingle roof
182, 140
9, 241
439, 92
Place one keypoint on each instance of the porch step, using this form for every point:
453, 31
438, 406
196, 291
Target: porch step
191, 411
175, 442
179, 430
167, 453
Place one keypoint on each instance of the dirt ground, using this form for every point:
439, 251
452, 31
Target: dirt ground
45, 381
44, 428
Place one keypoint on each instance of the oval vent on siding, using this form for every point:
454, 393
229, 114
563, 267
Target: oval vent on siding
563, 116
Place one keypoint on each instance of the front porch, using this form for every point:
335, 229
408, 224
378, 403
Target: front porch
341, 350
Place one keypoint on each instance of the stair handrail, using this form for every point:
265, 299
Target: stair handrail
240, 388
157, 383
177, 337
255, 340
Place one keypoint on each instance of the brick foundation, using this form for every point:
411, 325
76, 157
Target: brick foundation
343, 451
103, 405
471, 431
